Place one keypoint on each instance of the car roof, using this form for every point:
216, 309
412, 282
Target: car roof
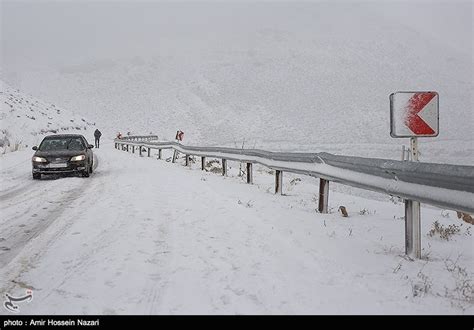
63, 136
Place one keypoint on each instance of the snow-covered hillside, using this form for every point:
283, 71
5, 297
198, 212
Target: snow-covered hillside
25, 120
279, 75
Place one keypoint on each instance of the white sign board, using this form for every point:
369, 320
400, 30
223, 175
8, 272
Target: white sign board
414, 114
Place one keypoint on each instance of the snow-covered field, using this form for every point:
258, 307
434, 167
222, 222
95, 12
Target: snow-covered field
145, 236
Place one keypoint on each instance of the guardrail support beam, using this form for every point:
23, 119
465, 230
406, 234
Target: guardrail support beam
186, 163
140, 150
133, 149
412, 229
149, 150
159, 153
249, 173
323, 196
175, 155
279, 182
203, 163
224, 167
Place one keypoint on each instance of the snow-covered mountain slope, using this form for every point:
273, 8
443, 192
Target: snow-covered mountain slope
24, 120
281, 76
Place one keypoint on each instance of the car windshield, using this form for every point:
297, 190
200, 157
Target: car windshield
62, 144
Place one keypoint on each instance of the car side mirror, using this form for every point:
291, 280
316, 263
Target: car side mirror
90, 146
35, 148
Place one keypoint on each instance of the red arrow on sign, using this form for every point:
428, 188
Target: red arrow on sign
412, 120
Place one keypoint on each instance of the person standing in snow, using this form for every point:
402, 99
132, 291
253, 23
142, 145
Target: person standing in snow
97, 135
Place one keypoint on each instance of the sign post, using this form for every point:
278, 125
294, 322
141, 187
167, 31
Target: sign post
179, 138
413, 115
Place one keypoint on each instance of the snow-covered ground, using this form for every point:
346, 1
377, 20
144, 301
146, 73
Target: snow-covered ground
145, 236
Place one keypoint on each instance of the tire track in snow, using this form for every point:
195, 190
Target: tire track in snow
125, 226
19, 228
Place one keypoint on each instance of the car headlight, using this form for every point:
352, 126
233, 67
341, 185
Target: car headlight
78, 158
37, 159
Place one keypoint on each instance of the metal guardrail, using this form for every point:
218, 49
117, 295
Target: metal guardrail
140, 138
443, 185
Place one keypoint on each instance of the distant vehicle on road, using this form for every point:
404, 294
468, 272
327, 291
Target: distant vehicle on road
62, 154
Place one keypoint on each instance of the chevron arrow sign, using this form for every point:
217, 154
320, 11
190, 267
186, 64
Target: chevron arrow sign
414, 114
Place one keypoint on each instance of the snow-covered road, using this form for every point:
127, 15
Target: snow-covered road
142, 236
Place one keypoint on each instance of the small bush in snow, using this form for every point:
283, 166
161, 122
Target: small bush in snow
463, 291
214, 166
365, 211
443, 232
422, 286
295, 181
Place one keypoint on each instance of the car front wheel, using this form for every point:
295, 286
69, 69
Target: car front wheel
36, 176
85, 173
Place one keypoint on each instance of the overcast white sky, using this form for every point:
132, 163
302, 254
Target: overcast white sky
39, 34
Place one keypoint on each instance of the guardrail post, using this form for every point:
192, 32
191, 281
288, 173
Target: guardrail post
412, 229
175, 155
159, 153
224, 167
149, 149
278, 182
323, 195
140, 150
133, 149
249, 173
186, 162
203, 163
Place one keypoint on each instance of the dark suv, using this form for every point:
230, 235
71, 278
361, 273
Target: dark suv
63, 153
